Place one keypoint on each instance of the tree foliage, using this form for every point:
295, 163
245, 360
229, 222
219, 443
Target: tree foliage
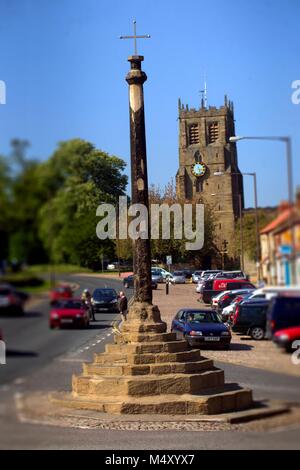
51, 205
177, 248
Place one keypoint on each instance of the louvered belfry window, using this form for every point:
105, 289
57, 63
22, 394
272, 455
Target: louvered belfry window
213, 132
194, 134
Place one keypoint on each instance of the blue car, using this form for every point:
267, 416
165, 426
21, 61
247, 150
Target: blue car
201, 328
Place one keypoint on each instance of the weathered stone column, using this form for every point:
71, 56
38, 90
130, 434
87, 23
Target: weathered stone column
139, 178
141, 310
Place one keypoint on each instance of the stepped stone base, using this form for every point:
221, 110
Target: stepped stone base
147, 371
216, 401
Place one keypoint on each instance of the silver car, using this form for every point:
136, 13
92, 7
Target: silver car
178, 277
157, 277
196, 276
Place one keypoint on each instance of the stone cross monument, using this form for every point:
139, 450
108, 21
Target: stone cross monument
141, 311
139, 178
147, 370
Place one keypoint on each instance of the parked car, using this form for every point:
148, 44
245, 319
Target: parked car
60, 292
128, 282
105, 300
286, 338
122, 265
228, 312
113, 265
201, 328
210, 273
70, 312
199, 287
188, 273
216, 299
231, 275
196, 276
156, 278
284, 312
227, 297
178, 277
11, 300
212, 287
250, 318
162, 272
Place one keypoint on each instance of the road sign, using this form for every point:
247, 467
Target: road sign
169, 260
285, 249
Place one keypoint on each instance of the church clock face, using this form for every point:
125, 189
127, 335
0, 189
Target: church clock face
199, 169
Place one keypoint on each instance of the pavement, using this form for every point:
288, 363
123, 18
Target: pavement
40, 359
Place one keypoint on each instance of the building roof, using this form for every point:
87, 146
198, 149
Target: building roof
280, 219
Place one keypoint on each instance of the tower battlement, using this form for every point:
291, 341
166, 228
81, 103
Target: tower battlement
185, 111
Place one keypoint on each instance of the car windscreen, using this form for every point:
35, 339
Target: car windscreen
203, 317
70, 305
101, 294
62, 290
254, 311
287, 307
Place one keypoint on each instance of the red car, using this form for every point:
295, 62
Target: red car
70, 312
285, 338
60, 293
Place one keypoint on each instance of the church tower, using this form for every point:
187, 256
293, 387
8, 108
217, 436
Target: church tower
208, 166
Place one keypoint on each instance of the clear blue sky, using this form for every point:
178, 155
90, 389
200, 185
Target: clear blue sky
64, 68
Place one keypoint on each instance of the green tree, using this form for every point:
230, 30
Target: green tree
177, 248
265, 215
79, 178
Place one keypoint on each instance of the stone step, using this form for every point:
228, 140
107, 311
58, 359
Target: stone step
146, 337
94, 386
144, 348
148, 369
122, 358
224, 399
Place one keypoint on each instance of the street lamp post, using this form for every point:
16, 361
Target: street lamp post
288, 144
242, 263
253, 175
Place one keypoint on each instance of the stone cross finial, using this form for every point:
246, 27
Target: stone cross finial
135, 37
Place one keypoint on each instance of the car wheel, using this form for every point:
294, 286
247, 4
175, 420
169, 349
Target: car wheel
257, 333
227, 347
